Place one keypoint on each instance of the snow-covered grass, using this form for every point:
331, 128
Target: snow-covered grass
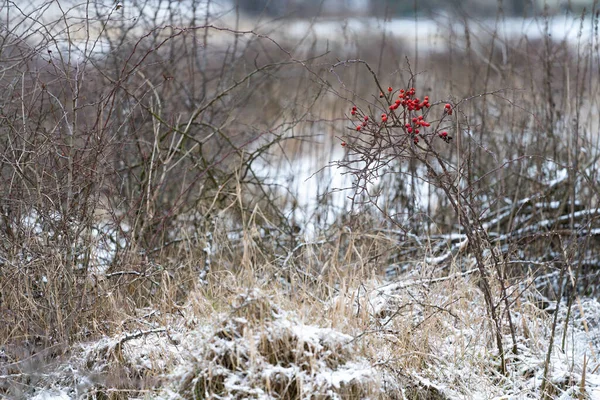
415, 337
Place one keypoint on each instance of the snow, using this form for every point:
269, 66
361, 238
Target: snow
257, 356
311, 355
102, 239
561, 176
307, 183
52, 394
464, 356
350, 372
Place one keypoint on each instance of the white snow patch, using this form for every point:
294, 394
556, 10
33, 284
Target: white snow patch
52, 394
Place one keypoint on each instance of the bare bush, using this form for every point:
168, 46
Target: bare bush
123, 138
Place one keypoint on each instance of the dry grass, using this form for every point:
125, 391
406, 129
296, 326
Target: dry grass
420, 337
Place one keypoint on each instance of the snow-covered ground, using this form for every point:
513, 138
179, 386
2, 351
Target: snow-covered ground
412, 337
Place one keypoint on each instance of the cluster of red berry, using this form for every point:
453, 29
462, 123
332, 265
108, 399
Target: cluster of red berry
407, 100
365, 119
417, 122
444, 136
409, 103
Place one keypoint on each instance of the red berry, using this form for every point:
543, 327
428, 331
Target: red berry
353, 112
390, 89
366, 117
359, 127
343, 144
447, 106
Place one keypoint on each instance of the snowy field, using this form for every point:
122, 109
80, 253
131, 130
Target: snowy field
260, 349
421, 331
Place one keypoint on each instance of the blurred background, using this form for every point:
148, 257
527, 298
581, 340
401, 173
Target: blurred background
399, 8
